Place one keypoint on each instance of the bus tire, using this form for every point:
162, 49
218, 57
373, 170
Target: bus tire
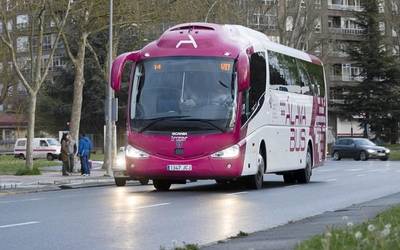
304, 175
256, 181
21, 156
161, 185
144, 181
289, 178
120, 182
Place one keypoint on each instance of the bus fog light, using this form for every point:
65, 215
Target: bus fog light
231, 152
132, 165
229, 165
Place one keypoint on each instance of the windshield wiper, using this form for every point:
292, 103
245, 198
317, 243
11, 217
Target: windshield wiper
223, 130
223, 84
159, 119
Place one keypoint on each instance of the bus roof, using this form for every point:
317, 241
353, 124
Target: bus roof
208, 39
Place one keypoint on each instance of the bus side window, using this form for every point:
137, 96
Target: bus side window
258, 76
276, 75
306, 79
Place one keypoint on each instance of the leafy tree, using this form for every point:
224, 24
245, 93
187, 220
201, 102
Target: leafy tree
375, 100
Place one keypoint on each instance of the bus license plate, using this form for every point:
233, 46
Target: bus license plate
179, 167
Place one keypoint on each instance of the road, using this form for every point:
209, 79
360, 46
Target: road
137, 217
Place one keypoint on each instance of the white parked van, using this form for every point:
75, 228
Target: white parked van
46, 148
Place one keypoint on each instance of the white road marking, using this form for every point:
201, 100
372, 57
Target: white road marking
244, 192
20, 224
325, 170
353, 169
361, 175
154, 205
331, 180
33, 199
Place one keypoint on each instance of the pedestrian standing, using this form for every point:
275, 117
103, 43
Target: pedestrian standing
64, 155
71, 153
85, 146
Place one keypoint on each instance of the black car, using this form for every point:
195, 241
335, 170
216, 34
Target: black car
358, 149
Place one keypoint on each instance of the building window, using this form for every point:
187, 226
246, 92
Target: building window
381, 6
22, 21
317, 25
9, 25
9, 134
396, 50
22, 44
289, 23
395, 8
58, 60
47, 42
382, 27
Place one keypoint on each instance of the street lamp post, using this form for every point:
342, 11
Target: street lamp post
109, 125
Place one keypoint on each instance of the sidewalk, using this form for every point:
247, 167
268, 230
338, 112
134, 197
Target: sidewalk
51, 179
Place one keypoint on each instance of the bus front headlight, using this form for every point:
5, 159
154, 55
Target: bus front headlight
120, 162
231, 152
135, 153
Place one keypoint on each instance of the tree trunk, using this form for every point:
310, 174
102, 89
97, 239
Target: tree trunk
78, 89
31, 130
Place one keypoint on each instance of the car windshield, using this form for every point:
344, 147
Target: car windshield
53, 142
183, 94
364, 142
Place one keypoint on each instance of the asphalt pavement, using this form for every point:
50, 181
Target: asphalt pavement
137, 217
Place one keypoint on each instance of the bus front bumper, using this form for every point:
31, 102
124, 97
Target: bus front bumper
206, 167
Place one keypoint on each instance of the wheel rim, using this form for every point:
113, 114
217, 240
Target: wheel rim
336, 156
260, 172
308, 165
363, 156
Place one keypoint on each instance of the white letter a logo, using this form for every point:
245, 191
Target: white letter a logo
190, 41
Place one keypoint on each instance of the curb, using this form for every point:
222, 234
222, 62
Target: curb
86, 185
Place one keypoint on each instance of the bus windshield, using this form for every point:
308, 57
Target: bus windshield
191, 94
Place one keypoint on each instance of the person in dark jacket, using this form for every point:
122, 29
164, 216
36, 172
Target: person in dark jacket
85, 147
64, 155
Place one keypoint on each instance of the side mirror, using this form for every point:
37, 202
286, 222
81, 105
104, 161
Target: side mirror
118, 67
243, 70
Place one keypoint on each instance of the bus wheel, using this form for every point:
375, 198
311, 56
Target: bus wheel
120, 182
21, 156
304, 175
144, 181
256, 181
289, 178
161, 185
